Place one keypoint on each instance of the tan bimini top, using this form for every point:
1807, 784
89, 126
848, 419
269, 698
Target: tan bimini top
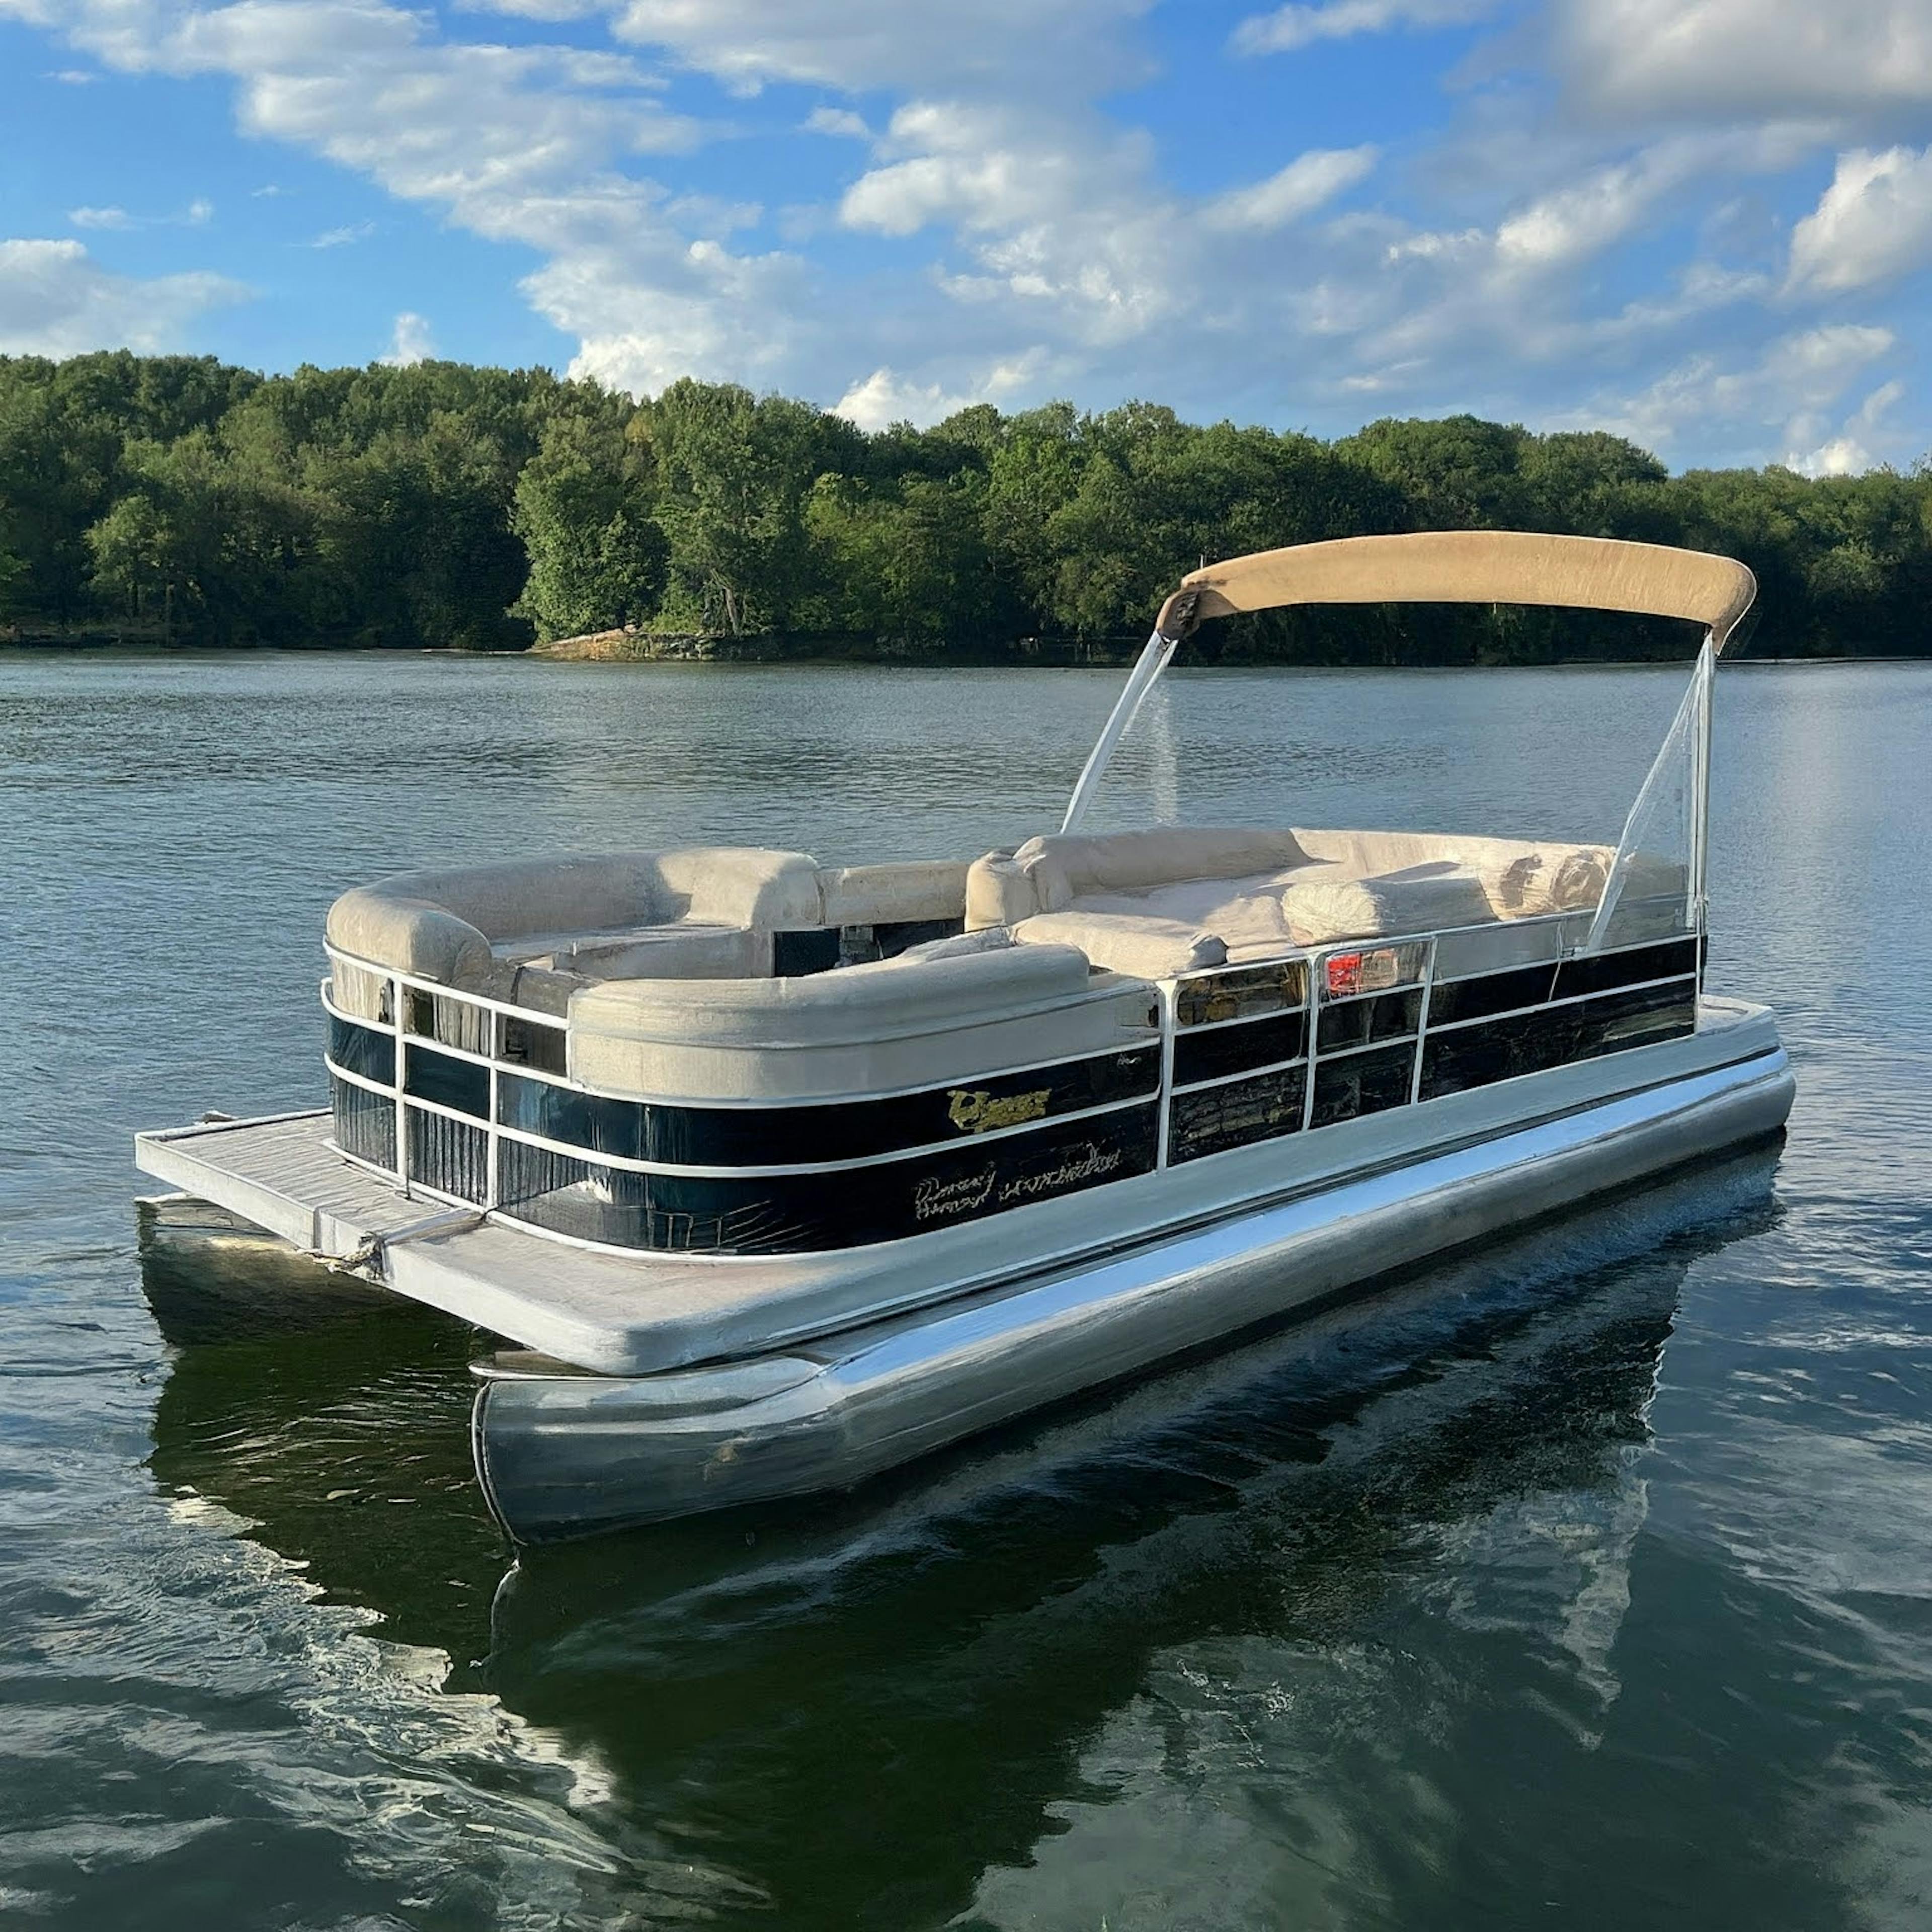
1472, 567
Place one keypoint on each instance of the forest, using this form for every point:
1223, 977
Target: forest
177, 499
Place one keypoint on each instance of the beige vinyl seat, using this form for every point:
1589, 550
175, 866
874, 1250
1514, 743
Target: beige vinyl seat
531, 931
959, 1010
1172, 900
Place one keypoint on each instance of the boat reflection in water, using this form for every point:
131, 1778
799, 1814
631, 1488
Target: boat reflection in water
867, 1707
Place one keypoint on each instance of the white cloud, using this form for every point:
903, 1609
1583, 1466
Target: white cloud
1037, 47
1846, 455
838, 120
198, 213
884, 397
409, 342
1874, 224
1299, 189
1060, 215
1289, 28
343, 237
73, 77
56, 301
1716, 58
1789, 391
1576, 222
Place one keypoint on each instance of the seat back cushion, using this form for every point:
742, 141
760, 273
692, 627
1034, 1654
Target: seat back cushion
881, 1028
1049, 873
442, 924
917, 889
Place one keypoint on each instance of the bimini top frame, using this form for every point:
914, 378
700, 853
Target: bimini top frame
1461, 567
1471, 567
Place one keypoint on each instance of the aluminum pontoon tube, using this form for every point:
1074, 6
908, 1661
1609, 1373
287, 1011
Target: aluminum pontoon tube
569, 1456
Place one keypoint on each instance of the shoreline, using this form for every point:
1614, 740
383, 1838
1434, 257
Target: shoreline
21, 650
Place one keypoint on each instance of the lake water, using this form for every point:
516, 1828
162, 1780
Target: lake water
1585, 1581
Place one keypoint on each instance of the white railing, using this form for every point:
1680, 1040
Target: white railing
1321, 993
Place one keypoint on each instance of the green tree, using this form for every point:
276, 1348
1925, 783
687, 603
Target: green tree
904, 564
583, 512
733, 474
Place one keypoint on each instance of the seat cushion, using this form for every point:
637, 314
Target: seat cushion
917, 890
1431, 897
1142, 943
685, 950
451, 925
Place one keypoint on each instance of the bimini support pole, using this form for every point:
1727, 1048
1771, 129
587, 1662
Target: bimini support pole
1700, 827
1178, 618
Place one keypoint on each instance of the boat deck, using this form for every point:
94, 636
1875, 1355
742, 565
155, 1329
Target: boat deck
574, 1303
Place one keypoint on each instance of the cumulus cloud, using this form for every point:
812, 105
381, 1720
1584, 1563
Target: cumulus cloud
1874, 224
884, 397
841, 121
1846, 453
409, 342
55, 300
100, 217
1289, 28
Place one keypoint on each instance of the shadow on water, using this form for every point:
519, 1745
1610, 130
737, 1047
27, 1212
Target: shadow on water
869, 1707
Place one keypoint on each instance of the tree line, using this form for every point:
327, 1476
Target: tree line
446, 506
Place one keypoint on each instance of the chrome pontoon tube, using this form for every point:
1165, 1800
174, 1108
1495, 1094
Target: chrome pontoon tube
562, 1456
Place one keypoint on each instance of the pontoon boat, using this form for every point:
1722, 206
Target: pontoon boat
779, 1173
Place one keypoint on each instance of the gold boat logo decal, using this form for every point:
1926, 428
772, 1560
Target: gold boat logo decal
978, 1112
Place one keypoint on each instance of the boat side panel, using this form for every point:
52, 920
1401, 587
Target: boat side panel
630, 1314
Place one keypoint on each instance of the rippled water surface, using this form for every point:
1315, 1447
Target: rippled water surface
1583, 1581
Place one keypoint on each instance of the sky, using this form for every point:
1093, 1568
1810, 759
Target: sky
1704, 224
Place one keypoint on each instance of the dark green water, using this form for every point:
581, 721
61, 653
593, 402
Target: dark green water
1585, 1581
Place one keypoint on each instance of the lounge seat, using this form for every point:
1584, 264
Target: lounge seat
531, 931
1172, 900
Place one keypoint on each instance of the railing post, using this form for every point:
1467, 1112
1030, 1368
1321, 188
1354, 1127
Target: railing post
396, 1010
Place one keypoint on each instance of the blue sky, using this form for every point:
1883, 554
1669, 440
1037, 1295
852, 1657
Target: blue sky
1706, 223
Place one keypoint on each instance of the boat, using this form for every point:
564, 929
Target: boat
772, 1175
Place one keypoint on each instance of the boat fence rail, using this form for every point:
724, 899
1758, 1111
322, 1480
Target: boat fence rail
467, 1100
